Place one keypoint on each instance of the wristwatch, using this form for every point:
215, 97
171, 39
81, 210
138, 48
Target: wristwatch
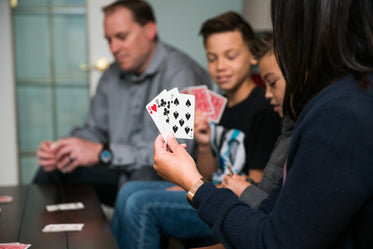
105, 156
192, 191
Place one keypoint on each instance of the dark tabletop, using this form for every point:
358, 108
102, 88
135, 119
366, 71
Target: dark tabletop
24, 218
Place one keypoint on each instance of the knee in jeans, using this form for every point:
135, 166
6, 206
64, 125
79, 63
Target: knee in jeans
139, 202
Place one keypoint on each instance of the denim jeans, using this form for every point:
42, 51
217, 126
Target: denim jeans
145, 210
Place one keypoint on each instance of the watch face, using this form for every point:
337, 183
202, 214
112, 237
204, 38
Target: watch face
105, 156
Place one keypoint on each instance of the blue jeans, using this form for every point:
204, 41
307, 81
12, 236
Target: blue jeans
145, 210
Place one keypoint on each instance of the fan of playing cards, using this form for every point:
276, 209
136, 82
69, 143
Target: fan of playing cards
172, 111
207, 101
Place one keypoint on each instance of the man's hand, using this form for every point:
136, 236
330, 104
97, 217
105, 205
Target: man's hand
47, 155
76, 152
236, 183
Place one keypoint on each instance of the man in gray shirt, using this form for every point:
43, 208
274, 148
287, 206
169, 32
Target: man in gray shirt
116, 142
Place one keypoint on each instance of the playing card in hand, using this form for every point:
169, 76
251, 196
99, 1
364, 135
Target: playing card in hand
218, 102
172, 111
182, 115
202, 99
158, 109
207, 101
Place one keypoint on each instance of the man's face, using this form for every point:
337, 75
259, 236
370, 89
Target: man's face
130, 43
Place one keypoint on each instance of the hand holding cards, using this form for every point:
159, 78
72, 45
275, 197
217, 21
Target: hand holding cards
172, 111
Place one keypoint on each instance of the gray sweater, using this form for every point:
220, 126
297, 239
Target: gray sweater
273, 172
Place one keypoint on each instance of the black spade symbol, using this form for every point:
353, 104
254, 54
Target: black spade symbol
176, 102
188, 104
187, 129
176, 114
181, 122
187, 115
174, 128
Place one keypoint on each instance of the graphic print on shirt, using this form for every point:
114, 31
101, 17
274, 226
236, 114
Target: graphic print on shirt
229, 146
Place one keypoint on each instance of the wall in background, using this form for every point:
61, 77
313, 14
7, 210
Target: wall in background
8, 147
181, 25
258, 14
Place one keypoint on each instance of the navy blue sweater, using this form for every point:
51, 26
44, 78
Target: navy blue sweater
329, 179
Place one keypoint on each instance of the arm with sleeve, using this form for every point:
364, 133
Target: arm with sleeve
328, 181
254, 194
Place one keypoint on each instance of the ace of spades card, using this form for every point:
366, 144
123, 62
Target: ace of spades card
182, 115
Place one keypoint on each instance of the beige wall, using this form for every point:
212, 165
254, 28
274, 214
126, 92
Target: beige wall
258, 14
8, 148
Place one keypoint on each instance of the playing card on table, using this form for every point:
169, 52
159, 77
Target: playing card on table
65, 206
182, 115
202, 99
63, 227
5, 199
15, 245
218, 102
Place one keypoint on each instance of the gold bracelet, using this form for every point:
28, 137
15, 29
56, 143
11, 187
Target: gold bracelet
193, 190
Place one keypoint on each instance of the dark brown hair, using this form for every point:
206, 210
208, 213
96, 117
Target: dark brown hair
318, 42
228, 21
263, 46
142, 11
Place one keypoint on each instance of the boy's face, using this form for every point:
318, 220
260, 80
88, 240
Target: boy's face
274, 81
130, 43
228, 59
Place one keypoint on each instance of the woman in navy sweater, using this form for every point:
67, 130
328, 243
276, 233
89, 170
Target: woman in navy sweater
325, 52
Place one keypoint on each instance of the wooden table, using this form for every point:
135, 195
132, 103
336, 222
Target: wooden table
24, 218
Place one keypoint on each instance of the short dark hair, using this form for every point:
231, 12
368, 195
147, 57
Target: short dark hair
228, 21
318, 42
142, 11
263, 46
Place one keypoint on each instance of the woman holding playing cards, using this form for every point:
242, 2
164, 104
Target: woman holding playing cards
325, 52
244, 139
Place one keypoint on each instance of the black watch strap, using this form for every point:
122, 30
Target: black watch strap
106, 155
